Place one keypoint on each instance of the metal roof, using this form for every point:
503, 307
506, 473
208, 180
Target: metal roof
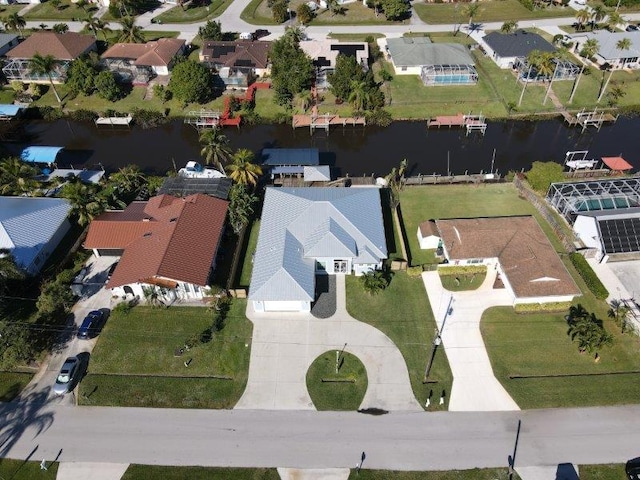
290, 156
301, 224
9, 110
608, 43
320, 173
40, 154
415, 52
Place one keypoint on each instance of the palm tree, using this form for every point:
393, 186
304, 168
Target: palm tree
375, 281
97, 25
590, 48
86, 204
215, 147
46, 65
60, 28
598, 13
333, 6
359, 95
577, 82
619, 313
83, 5
613, 20
295, 33
242, 170
509, 26
131, 33
622, 44
128, 180
9, 270
583, 16
14, 22
471, 10
17, 177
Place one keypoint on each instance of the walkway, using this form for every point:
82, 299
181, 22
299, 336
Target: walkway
285, 344
475, 388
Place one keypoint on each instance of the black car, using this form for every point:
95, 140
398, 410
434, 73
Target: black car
260, 33
90, 324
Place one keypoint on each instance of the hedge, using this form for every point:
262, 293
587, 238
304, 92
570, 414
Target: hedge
461, 269
542, 307
589, 276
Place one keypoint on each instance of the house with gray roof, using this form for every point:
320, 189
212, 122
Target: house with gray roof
506, 48
608, 51
435, 63
7, 42
306, 232
31, 228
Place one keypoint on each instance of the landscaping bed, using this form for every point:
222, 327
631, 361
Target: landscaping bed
343, 390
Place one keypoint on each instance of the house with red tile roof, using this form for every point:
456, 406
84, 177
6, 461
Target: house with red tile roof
166, 243
63, 47
139, 62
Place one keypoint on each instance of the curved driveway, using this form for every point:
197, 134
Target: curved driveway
285, 345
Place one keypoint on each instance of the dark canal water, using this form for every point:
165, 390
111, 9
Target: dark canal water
355, 151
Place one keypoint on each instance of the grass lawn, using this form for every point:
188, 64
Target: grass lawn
66, 11
354, 37
12, 383
490, 11
337, 391
603, 472
257, 13
22, 470
144, 472
460, 283
247, 265
402, 312
589, 88
473, 474
134, 363
6, 10
353, 14
193, 14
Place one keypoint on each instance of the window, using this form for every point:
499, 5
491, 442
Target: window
186, 287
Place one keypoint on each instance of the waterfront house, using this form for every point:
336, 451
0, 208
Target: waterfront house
324, 54
435, 63
31, 228
527, 264
306, 232
237, 63
167, 244
64, 47
608, 52
7, 42
139, 62
506, 48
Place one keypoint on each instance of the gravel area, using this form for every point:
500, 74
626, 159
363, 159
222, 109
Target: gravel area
325, 306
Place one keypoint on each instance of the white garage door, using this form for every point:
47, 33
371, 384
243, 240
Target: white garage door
281, 306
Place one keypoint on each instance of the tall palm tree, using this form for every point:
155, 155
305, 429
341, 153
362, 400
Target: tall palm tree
14, 22
359, 96
622, 44
295, 33
613, 20
46, 65
545, 64
509, 26
590, 48
215, 147
17, 177
583, 16
333, 6
471, 10
242, 170
97, 25
598, 13
577, 82
131, 33
86, 204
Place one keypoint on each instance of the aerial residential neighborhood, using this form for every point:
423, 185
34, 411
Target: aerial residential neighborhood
330, 239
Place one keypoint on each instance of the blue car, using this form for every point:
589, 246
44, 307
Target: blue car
90, 324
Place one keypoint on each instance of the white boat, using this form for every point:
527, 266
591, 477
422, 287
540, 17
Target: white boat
577, 160
196, 170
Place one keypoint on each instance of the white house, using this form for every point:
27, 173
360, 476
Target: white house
31, 228
168, 244
306, 232
608, 51
506, 48
428, 235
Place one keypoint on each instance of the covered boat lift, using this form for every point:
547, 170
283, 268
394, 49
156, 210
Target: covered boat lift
40, 154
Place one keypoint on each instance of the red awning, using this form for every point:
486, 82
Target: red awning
617, 164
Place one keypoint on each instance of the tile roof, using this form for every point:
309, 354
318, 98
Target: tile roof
419, 51
236, 54
152, 54
517, 44
529, 261
167, 237
63, 46
428, 229
301, 224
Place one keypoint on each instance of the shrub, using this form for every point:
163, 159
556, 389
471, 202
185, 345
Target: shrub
107, 86
589, 276
461, 270
36, 90
279, 11
385, 75
148, 118
123, 308
83, 115
17, 86
304, 14
49, 113
542, 307
379, 117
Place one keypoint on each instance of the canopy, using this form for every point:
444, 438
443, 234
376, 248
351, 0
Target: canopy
617, 164
287, 170
9, 110
40, 154
290, 156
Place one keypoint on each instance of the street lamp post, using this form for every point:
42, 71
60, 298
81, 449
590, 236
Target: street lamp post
437, 340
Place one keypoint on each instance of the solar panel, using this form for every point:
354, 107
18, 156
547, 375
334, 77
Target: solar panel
181, 187
620, 235
348, 49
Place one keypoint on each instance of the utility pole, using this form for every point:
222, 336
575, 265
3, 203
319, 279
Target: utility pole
437, 340
512, 458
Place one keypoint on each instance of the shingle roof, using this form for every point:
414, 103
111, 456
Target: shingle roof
419, 51
517, 44
62, 46
607, 42
529, 261
428, 229
28, 223
152, 54
168, 237
236, 54
300, 224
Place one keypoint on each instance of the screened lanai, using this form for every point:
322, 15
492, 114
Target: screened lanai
563, 70
449, 74
21, 69
571, 198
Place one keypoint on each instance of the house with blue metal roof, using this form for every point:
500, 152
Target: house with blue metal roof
31, 228
306, 232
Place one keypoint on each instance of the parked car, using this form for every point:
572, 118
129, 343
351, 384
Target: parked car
66, 379
90, 324
112, 269
632, 28
260, 33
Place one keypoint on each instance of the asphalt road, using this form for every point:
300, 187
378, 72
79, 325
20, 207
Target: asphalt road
249, 438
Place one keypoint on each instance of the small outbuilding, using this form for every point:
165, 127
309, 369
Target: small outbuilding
428, 235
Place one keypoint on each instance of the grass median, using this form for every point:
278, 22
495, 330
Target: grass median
193, 14
137, 361
341, 390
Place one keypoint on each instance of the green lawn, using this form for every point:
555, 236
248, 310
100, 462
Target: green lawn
193, 14
602, 472
257, 13
12, 383
337, 391
145, 472
247, 265
589, 88
134, 362
66, 11
402, 312
473, 474
6, 10
490, 11
459, 283
23, 470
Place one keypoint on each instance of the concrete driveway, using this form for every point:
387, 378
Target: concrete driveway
475, 388
285, 345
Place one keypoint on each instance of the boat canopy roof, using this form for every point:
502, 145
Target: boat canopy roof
9, 110
40, 154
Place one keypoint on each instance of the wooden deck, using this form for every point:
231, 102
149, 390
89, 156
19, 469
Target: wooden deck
115, 121
326, 121
472, 123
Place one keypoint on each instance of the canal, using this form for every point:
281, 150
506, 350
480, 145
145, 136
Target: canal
350, 150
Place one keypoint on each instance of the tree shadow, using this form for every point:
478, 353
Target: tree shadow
566, 471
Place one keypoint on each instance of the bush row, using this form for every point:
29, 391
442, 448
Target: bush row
542, 307
589, 276
462, 270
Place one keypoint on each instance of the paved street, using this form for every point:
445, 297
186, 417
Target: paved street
249, 438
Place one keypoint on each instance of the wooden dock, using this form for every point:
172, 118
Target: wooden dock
325, 121
114, 121
586, 119
470, 122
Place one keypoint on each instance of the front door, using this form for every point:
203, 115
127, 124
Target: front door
340, 266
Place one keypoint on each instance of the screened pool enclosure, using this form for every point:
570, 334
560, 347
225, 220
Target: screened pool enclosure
449, 75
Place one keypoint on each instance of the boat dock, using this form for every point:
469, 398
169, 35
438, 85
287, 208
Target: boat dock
114, 121
593, 118
472, 123
325, 121
203, 118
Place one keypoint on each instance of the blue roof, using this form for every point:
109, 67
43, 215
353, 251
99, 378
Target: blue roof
290, 156
287, 169
9, 110
40, 154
